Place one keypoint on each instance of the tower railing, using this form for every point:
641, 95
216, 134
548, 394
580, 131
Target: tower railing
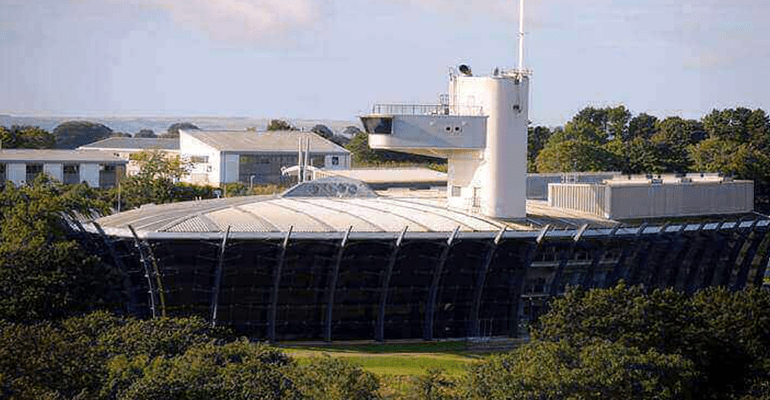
427, 109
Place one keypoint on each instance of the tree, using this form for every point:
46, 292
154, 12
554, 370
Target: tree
155, 182
573, 155
598, 370
723, 333
173, 129
147, 133
351, 131
323, 131
641, 126
44, 274
73, 134
730, 157
25, 137
280, 125
536, 139
335, 379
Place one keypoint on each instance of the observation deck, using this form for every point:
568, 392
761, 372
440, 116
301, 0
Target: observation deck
426, 128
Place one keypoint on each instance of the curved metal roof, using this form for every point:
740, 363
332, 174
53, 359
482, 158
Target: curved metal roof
266, 214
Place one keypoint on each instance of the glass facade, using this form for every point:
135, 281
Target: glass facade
425, 288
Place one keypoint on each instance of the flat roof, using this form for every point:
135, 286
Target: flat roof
63, 156
264, 142
130, 143
390, 175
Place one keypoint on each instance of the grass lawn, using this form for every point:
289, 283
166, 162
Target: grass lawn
396, 359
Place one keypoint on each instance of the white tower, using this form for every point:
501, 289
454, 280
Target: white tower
481, 130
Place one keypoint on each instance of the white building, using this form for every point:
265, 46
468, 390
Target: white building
655, 196
96, 168
253, 157
126, 147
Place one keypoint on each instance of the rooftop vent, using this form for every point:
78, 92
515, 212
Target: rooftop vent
334, 186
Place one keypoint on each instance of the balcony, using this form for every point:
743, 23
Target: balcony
421, 127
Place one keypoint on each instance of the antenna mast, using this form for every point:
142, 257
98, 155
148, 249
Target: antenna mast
521, 35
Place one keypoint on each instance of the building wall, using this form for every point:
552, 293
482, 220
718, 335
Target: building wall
201, 173
583, 197
520, 278
686, 199
649, 200
89, 173
343, 161
537, 184
17, 173
55, 171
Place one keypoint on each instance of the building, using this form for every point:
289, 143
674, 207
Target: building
332, 260
250, 157
126, 147
655, 196
96, 168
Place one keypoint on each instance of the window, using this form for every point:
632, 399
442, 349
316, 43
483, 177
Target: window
457, 191
33, 170
71, 173
199, 159
335, 160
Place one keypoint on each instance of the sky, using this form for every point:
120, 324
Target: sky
333, 59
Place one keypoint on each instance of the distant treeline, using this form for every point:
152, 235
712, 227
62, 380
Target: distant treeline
734, 142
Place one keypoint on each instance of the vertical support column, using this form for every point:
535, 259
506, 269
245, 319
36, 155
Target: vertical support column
588, 278
379, 334
764, 257
333, 286
695, 263
566, 255
735, 251
481, 277
519, 280
717, 249
132, 302
743, 273
273, 315
616, 270
672, 273
430, 307
147, 272
214, 306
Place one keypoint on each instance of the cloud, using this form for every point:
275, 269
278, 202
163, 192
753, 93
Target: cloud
244, 20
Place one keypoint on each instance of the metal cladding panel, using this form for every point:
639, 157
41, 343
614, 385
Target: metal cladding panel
430, 222
239, 221
285, 218
336, 217
194, 224
465, 221
372, 212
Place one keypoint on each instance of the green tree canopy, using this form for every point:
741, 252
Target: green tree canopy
722, 333
173, 129
322, 131
145, 133
73, 134
25, 137
280, 125
598, 370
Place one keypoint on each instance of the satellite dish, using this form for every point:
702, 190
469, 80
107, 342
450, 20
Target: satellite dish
465, 70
